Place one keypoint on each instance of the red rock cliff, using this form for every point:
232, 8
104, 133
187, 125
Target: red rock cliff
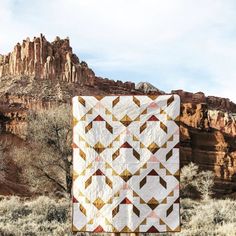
38, 75
51, 61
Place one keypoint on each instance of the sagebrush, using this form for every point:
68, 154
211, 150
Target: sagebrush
47, 216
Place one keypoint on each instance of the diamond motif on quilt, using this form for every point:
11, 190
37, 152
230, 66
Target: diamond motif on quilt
126, 120
98, 203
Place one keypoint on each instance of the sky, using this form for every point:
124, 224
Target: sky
173, 44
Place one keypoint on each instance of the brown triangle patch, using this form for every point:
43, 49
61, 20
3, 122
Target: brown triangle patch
81, 101
99, 148
126, 145
99, 97
136, 101
98, 118
115, 101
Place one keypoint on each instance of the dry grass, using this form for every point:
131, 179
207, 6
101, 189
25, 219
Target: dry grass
42, 216
47, 216
211, 217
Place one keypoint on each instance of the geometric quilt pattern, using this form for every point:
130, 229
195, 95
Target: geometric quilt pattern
126, 163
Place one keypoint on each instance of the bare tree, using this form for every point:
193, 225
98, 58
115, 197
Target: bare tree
188, 175
204, 184
47, 157
191, 179
4, 146
2, 161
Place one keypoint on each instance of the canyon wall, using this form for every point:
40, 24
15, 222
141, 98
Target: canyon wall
208, 137
38, 75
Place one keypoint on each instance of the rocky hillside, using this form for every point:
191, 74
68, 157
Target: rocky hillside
39, 74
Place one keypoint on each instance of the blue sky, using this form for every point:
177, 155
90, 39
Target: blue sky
173, 44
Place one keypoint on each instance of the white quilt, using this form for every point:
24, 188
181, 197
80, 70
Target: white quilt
126, 163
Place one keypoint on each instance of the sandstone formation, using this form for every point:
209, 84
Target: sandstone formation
52, 61
217, 103
38, 75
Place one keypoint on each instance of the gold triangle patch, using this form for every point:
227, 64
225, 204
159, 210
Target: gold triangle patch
144, 222
110, 201
74, 229
107, 112
83, 228
135, 194
126, 229
144, 112
90, 222
114, 118
74, 122
107, 222
153, 97
99, 97
75, 175
82, 209
171, 138
107, 165
90, 165
177, 229
81, 139
90, 111
142, 201
164, 201
137, 118
162, 222
161, 166
142, 145
126, 120
164, 145
117, 138
83, 118
168, 117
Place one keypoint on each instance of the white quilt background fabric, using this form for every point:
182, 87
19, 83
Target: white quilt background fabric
126, 163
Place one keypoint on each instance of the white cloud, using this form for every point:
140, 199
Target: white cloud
173, 44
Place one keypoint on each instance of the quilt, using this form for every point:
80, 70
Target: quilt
126, 163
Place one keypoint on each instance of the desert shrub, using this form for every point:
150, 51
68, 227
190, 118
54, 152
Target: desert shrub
20, 212
209, 217
4, 232
187, 209
48, 216
8, 205
204, 183
192, 180
30, 234
40, 216
57, 213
